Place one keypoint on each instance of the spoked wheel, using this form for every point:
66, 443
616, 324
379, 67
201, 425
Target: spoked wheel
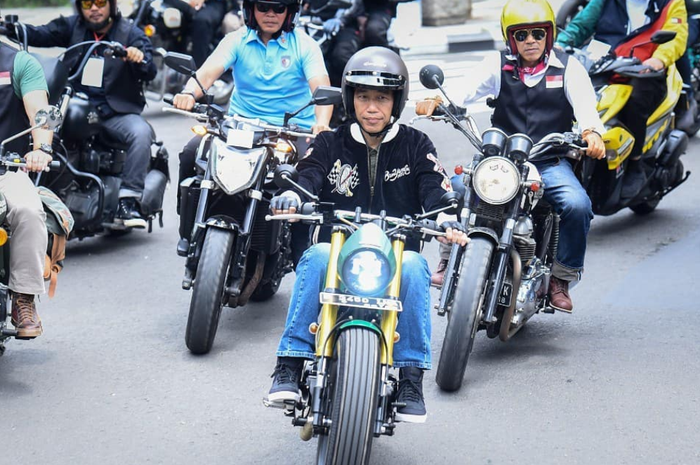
208, 292
464, 317
353, 404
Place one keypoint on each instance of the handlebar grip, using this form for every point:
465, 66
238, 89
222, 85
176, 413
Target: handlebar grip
307, 208
119, 50
168, 100
54, 165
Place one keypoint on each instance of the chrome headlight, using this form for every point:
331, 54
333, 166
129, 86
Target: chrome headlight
496, 180
235, 170
367, 263
126, 7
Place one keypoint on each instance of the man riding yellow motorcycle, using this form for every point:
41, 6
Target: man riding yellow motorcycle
626, 28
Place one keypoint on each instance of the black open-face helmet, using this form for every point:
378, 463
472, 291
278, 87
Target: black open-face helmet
375, 68
288, 25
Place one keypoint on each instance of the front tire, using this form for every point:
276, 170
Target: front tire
354, 399
463, 318
208, 292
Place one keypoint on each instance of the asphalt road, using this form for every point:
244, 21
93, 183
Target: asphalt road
112, 382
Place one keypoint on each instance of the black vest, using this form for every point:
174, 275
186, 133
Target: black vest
13, 117
123, 90
535, 111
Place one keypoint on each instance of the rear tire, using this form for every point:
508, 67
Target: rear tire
464, 317
354, 399
645, 208
208, 290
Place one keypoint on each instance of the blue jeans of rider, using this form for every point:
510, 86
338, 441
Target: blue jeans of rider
563, 191
413, 348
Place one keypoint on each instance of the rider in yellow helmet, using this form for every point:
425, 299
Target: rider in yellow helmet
538, 90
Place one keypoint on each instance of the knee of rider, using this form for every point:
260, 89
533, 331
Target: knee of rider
142, 134
413, 268
28, 216
578, 206
317, 254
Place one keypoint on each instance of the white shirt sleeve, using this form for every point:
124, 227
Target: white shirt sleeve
581, 96
488, 78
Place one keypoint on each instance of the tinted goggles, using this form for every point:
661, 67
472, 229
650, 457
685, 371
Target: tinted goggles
538, 34
277, 8
87, 4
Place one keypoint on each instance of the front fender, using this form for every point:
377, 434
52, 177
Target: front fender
223, 222
484, 232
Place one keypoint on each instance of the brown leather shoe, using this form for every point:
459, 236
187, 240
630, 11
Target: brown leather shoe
438, 277
559, 297
24, 317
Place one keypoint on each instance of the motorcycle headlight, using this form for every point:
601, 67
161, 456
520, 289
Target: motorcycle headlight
126, 7
235, 170
496, 180
172, 18
366, 262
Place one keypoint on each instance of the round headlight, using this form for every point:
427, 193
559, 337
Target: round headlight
366, 272
496, 180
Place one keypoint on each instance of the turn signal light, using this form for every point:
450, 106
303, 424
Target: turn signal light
397, 337
283, 147
535, 186
459, 169
199, 130
313, 328
3, 236
149, 30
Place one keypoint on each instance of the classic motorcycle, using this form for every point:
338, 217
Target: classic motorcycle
13, 161
501, 279
664, 145
163, 23
92, 159
348, 393
233, 255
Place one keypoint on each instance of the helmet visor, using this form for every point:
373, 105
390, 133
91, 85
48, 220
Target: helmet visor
375, 79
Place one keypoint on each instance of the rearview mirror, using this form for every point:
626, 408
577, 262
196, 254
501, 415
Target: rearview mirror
453, 199
326, 95
285, 173
661, 37
48, 118
183, 64
431, 76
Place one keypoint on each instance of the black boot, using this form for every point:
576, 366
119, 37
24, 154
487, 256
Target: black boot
286, 378
635, 179
128, 214
410, 393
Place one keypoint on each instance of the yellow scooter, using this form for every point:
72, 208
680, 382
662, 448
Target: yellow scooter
603, 179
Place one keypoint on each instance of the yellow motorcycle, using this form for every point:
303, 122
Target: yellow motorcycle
663, 145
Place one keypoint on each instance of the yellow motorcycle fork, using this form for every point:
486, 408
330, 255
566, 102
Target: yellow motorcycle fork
325, 341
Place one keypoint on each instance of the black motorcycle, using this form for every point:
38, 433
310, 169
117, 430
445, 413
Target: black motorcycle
234, 255
501, 279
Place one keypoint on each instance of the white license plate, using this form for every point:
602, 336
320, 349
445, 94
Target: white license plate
375, 303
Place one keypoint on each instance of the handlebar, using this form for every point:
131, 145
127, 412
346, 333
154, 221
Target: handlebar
13, 160
309, 213
558, 139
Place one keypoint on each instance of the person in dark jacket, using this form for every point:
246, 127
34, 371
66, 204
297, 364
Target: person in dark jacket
375, 164
119, 100
627, 26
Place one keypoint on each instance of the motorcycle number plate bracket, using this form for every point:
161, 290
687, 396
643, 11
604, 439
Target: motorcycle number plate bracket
240, 138
374, 303
506, 295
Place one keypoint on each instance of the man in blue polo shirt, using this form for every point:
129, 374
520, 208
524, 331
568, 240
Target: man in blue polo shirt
275, 68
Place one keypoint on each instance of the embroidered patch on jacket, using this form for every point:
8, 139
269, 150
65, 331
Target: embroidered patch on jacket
675, 20
286, 61
308, 152
554, 82
344, 178
5, 78
397, 173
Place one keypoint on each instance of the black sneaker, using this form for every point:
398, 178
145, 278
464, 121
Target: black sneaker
128, 214
285, 382
410, 393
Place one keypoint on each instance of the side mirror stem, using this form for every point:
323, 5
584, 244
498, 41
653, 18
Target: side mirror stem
299, 188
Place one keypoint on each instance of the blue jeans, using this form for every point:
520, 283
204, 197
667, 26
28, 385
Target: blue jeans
563, 191
413, 348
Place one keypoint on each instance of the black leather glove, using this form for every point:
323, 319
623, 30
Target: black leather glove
455, 225
280, 202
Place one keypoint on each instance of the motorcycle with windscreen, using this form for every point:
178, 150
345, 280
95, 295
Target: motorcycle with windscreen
348, 392
501, 279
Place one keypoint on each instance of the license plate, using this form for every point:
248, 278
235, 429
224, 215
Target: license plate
506, 295
375, 303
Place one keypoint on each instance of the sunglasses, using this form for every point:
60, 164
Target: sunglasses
87, 4
277, 8
537, 34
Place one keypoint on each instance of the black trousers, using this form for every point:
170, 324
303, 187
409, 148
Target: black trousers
647, 94
205, 23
